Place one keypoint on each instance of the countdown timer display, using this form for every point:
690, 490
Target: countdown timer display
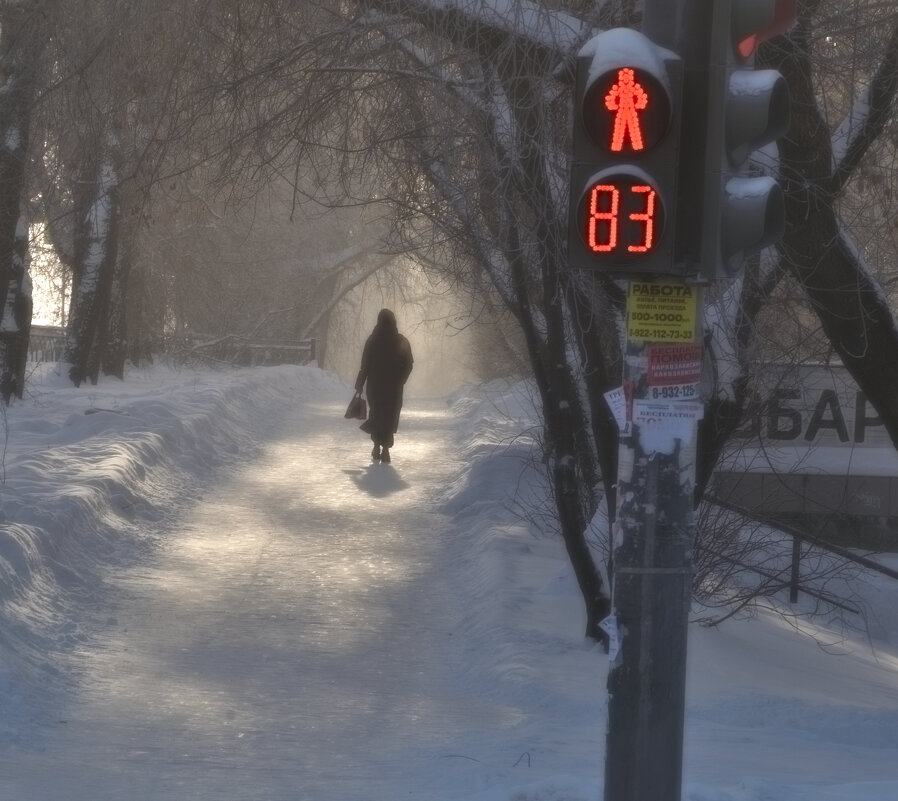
621, 216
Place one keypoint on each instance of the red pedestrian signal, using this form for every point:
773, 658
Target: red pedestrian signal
626, 110
626, 98
625, 139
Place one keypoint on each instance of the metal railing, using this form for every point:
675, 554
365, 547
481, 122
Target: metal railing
248, 351
800, 536
47, 344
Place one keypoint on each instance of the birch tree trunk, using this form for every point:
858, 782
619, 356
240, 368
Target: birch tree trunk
116, 349
96, 250
19, 49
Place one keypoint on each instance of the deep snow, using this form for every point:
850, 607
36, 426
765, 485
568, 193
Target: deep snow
208, 592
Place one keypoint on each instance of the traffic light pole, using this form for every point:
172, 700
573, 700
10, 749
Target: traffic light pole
720, 213
653, 536
652, 575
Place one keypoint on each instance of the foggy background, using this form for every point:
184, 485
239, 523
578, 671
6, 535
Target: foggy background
435, 318
432, 319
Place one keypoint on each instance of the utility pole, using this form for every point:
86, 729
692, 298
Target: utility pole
664, 122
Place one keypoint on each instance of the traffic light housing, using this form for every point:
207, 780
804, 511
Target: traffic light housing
626, 134
742, 211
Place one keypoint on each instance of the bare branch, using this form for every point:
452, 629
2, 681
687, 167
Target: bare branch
872, 110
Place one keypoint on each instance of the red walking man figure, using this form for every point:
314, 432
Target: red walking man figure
626, 98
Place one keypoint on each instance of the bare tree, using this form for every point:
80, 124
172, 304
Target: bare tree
819, 253
113, 102
450, 122
457, 115
22, 38
456, 119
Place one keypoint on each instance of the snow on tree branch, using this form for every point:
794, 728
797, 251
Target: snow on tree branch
440, 75
470, 218
488, 25
867, 118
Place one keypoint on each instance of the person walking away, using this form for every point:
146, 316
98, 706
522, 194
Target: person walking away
386, 365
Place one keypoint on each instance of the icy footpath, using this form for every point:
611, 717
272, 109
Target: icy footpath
241, 606
209, 592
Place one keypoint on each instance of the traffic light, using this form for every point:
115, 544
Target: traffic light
747, 108
625, 140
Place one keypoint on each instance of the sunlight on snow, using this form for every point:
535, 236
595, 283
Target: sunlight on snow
308, 544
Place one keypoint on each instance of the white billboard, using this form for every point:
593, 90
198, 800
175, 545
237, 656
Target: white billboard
811, 419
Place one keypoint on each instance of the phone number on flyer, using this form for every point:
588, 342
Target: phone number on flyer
673, 393
648, 333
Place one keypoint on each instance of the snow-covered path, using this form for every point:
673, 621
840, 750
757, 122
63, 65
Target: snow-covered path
293, 641
208, 592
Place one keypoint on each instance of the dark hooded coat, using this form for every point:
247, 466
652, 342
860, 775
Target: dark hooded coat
386, 365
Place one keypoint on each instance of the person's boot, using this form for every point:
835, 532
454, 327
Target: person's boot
375, 454
385, 456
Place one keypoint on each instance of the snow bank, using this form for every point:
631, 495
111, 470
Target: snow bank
83, 469
525, 622
775, 709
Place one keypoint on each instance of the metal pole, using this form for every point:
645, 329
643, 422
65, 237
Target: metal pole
651, 593
653, 532
794, 579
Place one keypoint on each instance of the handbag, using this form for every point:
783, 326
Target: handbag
357, 409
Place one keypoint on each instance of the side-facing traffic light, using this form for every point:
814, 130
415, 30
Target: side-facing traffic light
747, 108
625, 145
